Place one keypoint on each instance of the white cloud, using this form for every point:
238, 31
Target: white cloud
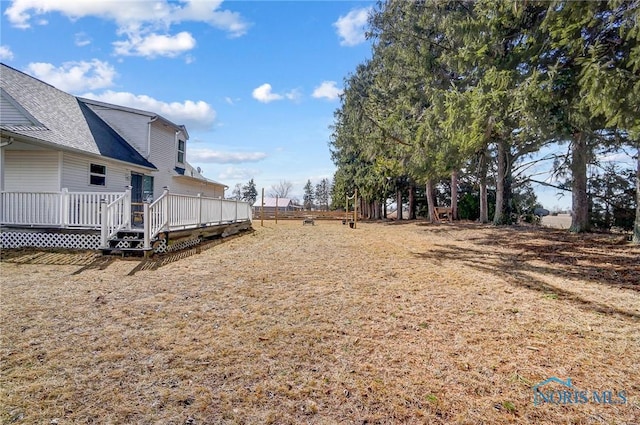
235, 173
140, 22
231, 101
153, 45
82, 39
75, 76
351, 27
264, 94
193, 114
327, 90
219, 157
6, 53
294, 95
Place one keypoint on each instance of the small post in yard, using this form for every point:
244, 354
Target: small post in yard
346, 209
262, 209
355, 209
276, 209
104, 223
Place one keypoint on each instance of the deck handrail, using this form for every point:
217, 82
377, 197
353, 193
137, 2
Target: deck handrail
115, 216
53, 209
172, 211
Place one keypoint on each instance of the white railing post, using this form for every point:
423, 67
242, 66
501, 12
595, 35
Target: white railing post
64, 207
127, 207
147, 225
199, 209
236, 220
104, 225
221, 207
165, 209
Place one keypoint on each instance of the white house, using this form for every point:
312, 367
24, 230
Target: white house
53, 144
162, 143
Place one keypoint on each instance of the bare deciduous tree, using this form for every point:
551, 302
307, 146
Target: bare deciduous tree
281, 190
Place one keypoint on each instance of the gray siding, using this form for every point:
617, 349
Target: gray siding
134, 128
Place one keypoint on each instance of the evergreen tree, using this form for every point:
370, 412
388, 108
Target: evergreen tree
249, 192
307, 199
322, 193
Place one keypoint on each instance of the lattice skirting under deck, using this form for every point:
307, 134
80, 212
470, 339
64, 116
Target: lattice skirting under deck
183, 244
17, 239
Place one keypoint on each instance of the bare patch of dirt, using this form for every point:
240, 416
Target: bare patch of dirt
450, 323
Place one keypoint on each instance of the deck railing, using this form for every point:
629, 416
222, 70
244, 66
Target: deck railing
54, 209
111, 212
115, 216
180, 212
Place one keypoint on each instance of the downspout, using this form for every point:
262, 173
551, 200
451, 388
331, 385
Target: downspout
149, 136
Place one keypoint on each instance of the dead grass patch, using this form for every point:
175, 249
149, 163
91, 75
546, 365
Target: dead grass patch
326, 324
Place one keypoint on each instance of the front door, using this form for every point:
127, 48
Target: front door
136, 198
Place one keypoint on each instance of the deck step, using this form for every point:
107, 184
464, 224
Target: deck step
116, 250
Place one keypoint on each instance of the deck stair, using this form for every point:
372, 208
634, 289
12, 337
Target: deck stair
127, 241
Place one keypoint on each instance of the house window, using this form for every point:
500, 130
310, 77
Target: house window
147, 188
97, 175
181, 145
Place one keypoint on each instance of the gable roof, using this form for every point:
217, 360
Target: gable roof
188, 172
60, 119
271, 202
149, 114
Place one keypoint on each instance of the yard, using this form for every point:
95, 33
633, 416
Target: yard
385, 323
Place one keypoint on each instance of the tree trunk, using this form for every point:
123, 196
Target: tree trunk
484, 202
579, 199
454, 195
430, 204
412, 202
636, 227
399, 204
503, 186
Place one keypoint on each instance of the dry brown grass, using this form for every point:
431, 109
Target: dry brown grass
323, 324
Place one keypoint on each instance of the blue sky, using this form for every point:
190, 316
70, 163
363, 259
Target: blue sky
255, 82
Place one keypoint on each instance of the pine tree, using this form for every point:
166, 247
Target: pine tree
307, 199
249, 192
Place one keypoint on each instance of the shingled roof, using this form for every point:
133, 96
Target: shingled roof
62, 120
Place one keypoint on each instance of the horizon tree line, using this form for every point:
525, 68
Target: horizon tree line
478, 90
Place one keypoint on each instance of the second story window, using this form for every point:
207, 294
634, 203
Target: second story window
181, 146
97, 175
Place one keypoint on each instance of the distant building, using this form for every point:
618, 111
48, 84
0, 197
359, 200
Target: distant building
270, 205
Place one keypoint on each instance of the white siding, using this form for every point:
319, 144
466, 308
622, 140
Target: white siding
34, 171
75, 174
163, 156
187, 187
9, 114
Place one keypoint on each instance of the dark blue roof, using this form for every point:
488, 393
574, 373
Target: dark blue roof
109, 142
